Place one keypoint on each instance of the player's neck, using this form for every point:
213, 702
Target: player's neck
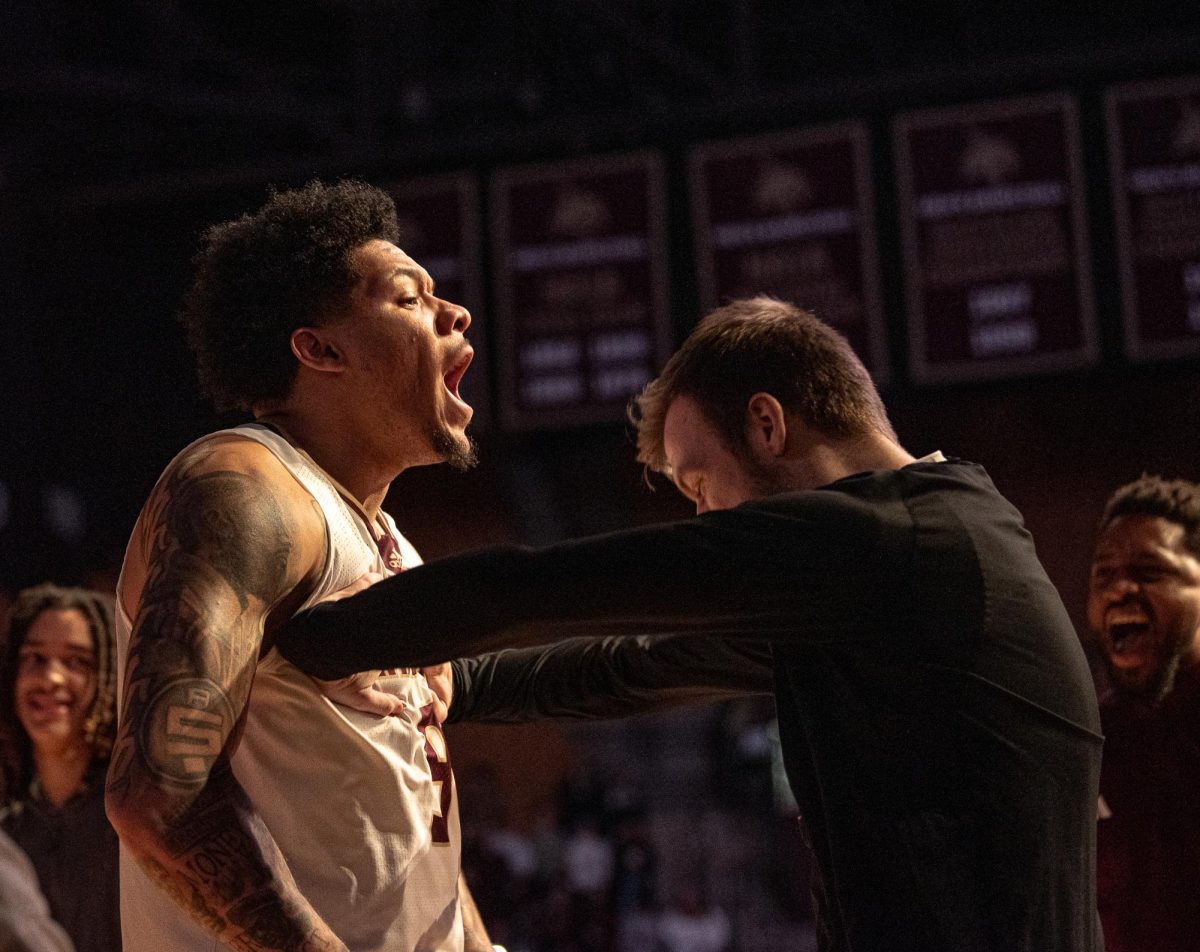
341, 451
821, 463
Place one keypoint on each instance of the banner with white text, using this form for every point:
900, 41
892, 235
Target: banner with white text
995, 240
582, 312
1154, 149
791, 215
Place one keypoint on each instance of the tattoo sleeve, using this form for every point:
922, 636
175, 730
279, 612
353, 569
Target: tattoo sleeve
218, 548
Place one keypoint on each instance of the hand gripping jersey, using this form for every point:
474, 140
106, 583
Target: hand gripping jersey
362, 807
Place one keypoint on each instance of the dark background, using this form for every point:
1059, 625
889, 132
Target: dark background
127, 127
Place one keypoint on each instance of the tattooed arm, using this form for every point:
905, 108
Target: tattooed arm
225, 538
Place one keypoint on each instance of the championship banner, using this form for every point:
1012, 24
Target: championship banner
581, 287
791, 215
995, 240
440, 230
1154, 148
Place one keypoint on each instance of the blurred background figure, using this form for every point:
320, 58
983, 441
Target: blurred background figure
690, 924
588, 860
1144, 606
57, 700
25, 923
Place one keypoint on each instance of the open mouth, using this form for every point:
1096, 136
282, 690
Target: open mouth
1129, 641
454, 376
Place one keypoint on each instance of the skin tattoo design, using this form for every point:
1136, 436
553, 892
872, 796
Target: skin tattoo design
220, 549
308, 316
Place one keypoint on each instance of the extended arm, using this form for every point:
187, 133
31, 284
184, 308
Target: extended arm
776, 571
607, 677
220, 551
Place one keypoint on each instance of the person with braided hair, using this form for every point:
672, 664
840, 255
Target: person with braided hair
58, 714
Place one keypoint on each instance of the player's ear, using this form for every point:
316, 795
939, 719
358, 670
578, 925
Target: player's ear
317, 350
766, 426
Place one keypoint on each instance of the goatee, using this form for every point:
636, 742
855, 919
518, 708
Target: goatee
460, 452
1152, 688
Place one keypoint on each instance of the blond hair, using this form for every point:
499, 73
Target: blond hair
757, 345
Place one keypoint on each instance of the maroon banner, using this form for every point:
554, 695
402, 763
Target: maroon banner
1154, 139
792, 215
440, 230
581, 281
995, 242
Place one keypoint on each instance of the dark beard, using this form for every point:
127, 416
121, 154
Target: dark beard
461, 455
1152, 689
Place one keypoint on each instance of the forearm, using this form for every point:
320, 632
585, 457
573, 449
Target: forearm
607, 678
732, 574
215, 857
179, 810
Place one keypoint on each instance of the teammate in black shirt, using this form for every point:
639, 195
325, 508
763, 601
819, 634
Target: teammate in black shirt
937, 717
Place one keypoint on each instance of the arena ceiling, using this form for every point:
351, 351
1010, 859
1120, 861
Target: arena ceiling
110, 98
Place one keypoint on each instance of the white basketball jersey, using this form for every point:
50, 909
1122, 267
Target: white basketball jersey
362, 807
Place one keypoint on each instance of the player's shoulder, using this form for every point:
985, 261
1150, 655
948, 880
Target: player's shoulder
228, 451
237, 476
231, 498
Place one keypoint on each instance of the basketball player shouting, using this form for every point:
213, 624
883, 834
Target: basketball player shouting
251, 808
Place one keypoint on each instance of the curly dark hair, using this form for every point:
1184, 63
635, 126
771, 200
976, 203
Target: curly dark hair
1174, 499
263, 275
97, 609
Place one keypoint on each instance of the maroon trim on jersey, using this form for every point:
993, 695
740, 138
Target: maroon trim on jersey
385, 542
389, 549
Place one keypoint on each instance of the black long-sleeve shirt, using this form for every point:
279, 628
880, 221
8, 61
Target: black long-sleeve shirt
936, 713
609, 677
